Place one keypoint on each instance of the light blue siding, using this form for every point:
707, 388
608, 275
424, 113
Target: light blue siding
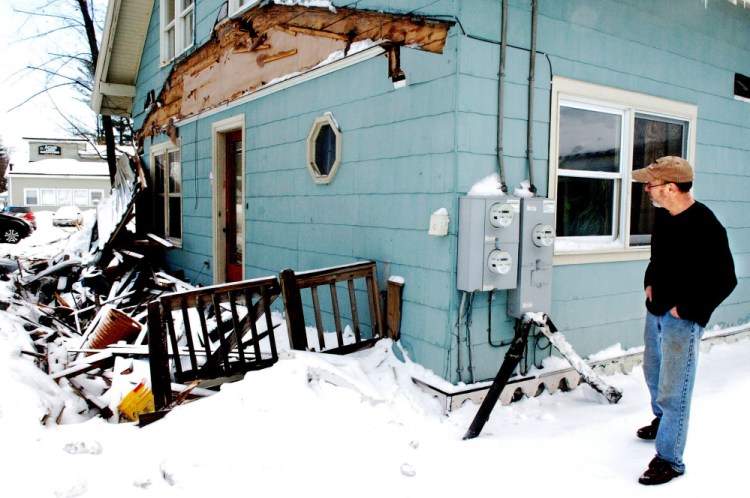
409, 152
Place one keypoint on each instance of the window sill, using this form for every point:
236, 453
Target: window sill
604, 256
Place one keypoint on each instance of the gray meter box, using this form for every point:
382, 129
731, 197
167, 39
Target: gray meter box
534, 291
488, 233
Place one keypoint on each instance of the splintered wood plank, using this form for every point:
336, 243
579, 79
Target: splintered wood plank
104, 359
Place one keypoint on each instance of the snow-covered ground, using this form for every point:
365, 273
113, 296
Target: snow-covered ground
289, 431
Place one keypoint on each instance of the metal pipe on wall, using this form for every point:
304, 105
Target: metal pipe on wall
501, 96
530, 123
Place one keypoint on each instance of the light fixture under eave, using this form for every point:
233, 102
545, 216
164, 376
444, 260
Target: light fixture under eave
398, 77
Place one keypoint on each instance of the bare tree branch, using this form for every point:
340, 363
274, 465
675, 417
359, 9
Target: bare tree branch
40, 92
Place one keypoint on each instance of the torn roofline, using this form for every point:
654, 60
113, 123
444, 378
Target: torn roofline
273, 43
347, 24
376, 50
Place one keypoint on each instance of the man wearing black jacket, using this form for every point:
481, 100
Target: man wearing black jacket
690, 273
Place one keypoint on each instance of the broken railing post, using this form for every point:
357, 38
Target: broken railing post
161, 385
512, 358
610, 393
514, 355
295, 317
393, 303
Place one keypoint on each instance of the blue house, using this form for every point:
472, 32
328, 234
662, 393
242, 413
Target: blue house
307, 134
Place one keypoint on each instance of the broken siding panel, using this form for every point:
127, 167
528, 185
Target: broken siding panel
273, 42
353, 25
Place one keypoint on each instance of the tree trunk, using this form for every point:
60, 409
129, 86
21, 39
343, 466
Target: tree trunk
109, 135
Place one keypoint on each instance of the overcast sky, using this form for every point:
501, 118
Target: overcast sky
37, 118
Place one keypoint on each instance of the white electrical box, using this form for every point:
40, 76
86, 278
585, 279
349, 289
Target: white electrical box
439, 222
488, 231
537, 237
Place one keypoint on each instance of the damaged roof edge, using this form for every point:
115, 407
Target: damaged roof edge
364, 55
136, 12
127, 25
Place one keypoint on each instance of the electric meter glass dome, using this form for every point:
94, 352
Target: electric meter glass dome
544, 235
501, 215
499, 261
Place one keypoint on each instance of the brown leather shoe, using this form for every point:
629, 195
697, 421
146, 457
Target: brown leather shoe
649, 431
659, 471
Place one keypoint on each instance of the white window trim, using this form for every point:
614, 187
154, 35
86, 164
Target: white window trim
165, 148
630, 103
178, 25
318, 124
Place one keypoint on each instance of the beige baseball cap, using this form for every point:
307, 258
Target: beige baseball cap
670, 169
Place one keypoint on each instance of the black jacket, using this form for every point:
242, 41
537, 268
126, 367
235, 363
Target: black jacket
691, 265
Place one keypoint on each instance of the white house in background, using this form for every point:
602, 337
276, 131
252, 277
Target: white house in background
59, 172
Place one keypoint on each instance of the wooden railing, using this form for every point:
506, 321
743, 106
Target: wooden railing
341, 284
220, 332
211, 332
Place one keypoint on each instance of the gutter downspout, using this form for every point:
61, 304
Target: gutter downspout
530, 127
501, 98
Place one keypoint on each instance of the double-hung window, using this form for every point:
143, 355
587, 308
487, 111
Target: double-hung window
167, 174
177, 18
599, 136
49, 196
31, 197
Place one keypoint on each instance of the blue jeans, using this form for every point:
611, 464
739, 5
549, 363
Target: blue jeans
670, 360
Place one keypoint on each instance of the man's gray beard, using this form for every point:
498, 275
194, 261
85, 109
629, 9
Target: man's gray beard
656, 204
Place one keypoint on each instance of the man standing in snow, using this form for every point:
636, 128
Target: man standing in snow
690, 273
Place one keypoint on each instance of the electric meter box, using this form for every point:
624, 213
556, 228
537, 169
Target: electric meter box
534, 291
487, 243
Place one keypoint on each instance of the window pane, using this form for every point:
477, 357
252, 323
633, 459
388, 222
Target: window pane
168, 10
159, 174
325, 149
31, 197
589, 140
80, 197
653, 139
64, 197
95, 196
175, 218
159, 216
187, 32
49, 197
584, 207
169, 44
175, 172
656, 138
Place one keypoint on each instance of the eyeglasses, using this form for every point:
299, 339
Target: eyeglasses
648, 186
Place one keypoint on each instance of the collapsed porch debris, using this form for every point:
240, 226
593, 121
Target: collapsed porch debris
104, 328
85, 307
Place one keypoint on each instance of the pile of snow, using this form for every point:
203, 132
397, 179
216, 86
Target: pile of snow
318, 425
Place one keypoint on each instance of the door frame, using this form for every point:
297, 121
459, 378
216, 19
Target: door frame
219, 131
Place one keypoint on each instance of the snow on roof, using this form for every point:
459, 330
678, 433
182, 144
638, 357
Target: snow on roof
70, 167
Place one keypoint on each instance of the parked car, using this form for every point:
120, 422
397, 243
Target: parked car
24, 212
67, 216
13, 229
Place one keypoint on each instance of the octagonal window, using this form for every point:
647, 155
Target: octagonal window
323, 149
